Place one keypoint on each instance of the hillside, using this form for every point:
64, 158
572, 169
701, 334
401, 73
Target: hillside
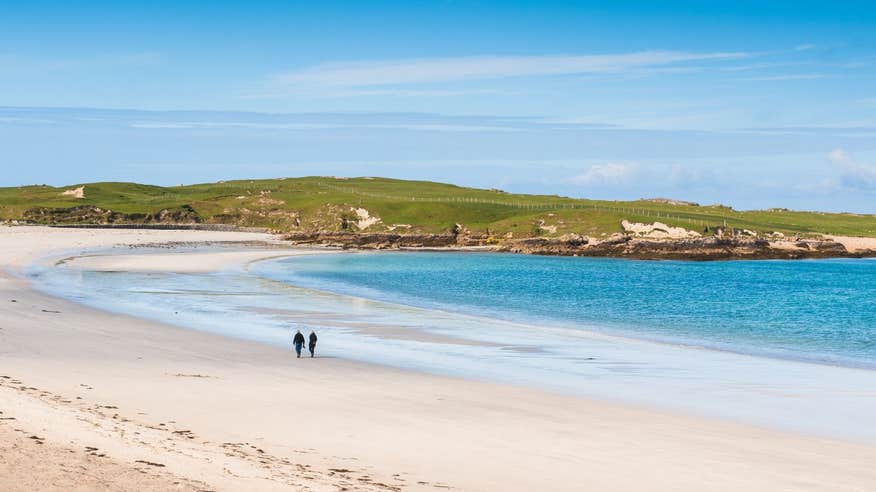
380, 205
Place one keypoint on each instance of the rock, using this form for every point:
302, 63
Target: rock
75, 192
398, 226
372, 240
550, 229
89, 214
657, 230
696, 248
670, 201
365, 219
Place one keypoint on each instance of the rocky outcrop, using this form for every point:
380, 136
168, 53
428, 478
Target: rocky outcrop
617, 245
457, 236
670, 201
373, 240
75, 192
276, 218
365, 219
705, 248
643, 241
89, 214
657, 230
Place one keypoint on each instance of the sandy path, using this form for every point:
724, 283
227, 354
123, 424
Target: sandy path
233, 415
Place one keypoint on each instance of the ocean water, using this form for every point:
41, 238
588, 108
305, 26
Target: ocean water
786, 344
820, 311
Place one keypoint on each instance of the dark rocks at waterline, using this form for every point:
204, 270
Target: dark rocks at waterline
617, 245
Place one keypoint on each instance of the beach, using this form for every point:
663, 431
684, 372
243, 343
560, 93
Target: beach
101, 400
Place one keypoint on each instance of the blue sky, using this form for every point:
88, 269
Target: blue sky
753, 104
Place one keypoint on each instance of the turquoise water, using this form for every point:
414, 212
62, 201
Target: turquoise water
794, 339
822, 311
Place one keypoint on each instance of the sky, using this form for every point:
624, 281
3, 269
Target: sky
753, 104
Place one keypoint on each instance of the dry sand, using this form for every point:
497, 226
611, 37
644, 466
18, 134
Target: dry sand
98, 401
856, 244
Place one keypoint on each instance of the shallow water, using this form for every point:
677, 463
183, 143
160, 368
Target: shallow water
823, 311
640, 332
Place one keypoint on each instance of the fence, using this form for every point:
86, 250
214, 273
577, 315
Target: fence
641, 212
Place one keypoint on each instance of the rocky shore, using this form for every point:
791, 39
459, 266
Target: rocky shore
722, 245
705, 248
655, 240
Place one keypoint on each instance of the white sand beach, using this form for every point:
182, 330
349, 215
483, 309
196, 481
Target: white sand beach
91, 400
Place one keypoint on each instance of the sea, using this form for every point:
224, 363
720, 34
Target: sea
782, 344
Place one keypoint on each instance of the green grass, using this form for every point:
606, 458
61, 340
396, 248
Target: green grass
312, 203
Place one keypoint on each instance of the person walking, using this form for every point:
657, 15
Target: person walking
298, 341
312, 345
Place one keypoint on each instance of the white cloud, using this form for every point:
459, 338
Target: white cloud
612, 173
691, 176
805, 47
853, 174
838, 156
433, 70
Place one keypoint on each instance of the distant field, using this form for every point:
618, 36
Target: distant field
329, 204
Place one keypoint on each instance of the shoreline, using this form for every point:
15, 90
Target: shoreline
237, 259
725, 245
371, 422
722, 246
589, 332
213, 261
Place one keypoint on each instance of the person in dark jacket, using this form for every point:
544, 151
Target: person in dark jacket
312, 344
298, 341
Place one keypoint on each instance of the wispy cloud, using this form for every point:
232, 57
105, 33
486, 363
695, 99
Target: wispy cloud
612, 173
291, 122
368, 92
209, 125
439, 70
751, 67
853, 174
805, 47
684, 176
790, 76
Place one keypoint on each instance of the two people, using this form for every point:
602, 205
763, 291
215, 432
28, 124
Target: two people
298, 341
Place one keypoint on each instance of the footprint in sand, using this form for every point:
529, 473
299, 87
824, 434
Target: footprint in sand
150, 463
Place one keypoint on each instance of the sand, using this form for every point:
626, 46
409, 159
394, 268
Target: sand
118, 403
856, 244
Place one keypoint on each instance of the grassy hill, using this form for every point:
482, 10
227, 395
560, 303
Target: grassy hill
337, 204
